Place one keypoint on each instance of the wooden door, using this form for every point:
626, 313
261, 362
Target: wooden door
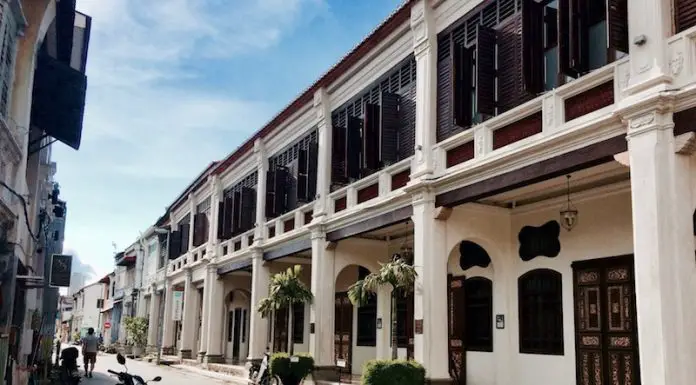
457, 329
606, 338
280, 330
343, 330
237, 335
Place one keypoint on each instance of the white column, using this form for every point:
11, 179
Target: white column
664, 250
167, 322
425, 50
322, 106
321, 342
205, 322
649, 21
430, 307
262, 168
192, 212
153, 316
384, 313
214, 320
258, 327
189, 323
215, 198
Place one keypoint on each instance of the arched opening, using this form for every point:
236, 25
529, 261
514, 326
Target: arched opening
236, 332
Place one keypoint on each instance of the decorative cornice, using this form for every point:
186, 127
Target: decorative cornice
685, 144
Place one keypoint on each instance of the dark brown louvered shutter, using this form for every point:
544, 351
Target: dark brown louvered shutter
312, 170
280, 187
248, 208
564, 38
270, 194
389, 128
462, 67
353, 144
510, 88
302, 171
185, 235
533, 47
174, 246
456, 301
227, 220
221, 221
198, 229
579, 46
370, 137
684, 14
445, 117
338, 155
617, 26
485, 72
236, 212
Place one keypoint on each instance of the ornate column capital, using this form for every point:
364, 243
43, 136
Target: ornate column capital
423, 27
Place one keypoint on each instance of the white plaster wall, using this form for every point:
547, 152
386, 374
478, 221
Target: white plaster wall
90, 313
604, 230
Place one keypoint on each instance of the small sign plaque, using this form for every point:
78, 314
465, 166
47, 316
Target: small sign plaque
294, 359
419, 326
311, 328
500, 321
341, 363
379, 323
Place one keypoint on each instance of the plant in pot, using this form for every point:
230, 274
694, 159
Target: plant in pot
136, 327
285, 290
398, 274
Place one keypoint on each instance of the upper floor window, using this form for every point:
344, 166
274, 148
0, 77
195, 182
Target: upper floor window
237, 212
479, 314
541, 312
200, 223
8, 34
684, 15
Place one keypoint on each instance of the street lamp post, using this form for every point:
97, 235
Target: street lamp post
160, 332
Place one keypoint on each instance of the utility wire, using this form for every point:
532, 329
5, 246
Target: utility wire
24, 206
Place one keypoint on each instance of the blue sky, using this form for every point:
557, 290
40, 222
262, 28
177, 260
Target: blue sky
175, 84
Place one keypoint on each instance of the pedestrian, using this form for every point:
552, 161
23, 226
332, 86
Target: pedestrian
90, 344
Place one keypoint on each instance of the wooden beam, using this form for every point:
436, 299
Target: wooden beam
288, 249
582, 158
371, 224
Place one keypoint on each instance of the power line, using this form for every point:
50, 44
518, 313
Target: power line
24, 206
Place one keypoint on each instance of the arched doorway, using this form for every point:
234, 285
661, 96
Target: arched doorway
237, 305
470, 304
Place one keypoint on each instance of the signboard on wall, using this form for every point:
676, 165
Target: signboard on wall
177, 305
61, 269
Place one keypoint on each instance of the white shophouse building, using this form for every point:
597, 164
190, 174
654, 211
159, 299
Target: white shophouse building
448, 134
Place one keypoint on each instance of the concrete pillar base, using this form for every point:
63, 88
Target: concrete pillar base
201, 357
185, 354
326, 373
214, 359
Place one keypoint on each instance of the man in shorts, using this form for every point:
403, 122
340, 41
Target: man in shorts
90, 344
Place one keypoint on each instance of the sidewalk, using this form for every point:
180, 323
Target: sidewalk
212, 374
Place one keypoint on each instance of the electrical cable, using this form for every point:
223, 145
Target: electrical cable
24, 206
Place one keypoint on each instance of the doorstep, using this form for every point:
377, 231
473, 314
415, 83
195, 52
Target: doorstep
212, 374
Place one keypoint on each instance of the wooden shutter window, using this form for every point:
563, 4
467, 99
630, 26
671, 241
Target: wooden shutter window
174, 247
541, 312
270, 194
227, 219
199, 229
248, 208
353, 144
236, 210
578, 47
312, 170
617, 26
370, 137
684, 14
479, 314
221, 220
338, 155
302, 176
564, 37
185, 234
462, 67
485, 72
280, 182
533, 46
389, 128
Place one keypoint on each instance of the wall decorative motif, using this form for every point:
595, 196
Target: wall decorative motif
539, 241
471, 254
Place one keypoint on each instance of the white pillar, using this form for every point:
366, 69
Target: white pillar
167, 322
321, 342
664, 250
322, 106
258, 327
262, 168
649, 21
205, 322
215, 198
384, 313
430, 306
214, 319
425, 50
153, 316
189, 323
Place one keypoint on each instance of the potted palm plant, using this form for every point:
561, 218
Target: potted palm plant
285, 290
398, 274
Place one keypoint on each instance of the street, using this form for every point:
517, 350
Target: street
170, 376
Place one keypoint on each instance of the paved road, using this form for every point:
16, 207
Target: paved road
170, 376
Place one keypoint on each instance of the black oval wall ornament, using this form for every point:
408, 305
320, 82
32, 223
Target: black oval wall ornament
472, 254
540, 241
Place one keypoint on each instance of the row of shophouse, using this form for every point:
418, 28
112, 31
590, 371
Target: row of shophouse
533, 158
43, 53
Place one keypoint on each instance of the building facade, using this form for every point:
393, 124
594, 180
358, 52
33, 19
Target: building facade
541, 185
87, 309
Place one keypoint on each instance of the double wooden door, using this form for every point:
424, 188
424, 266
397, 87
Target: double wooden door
343, 330
606, 337
280, 330
456, 302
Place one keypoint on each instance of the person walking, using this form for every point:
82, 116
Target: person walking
90, 344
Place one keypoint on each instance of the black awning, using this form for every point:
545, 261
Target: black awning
230, 267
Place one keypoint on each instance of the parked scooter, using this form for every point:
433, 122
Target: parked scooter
69, 373
259, 373
126, 378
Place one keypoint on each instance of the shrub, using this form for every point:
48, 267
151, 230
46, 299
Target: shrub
136, 327
291, 373
393, 372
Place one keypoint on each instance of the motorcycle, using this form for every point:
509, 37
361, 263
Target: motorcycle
126, 378
69, 373
259, 373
